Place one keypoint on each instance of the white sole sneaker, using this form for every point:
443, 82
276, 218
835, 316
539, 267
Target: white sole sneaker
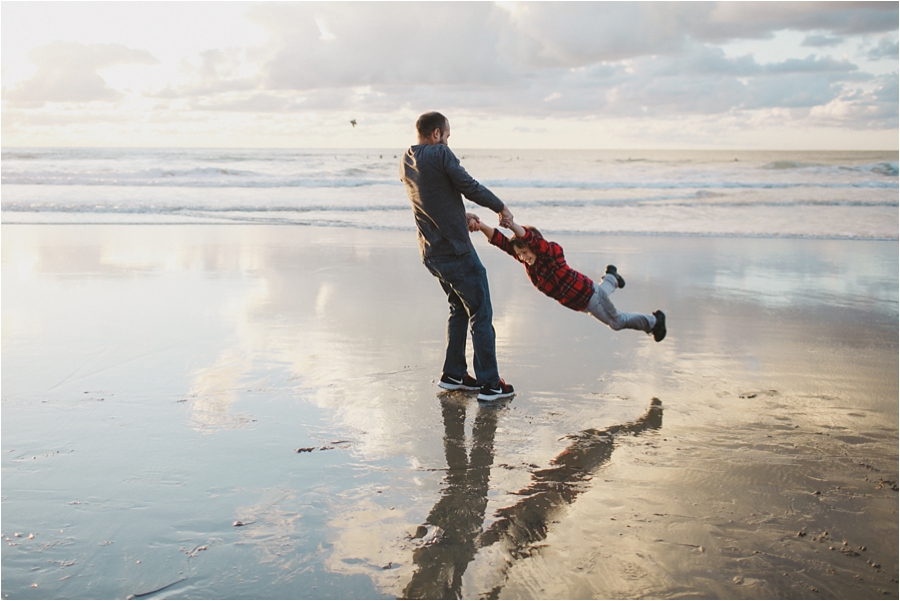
448, 383
504, 391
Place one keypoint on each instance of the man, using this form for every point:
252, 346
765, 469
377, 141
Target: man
436, 183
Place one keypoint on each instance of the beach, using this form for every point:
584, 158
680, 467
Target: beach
251, 411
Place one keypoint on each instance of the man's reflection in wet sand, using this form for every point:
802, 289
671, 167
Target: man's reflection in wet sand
460, 512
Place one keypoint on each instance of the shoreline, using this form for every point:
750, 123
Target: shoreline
412, 230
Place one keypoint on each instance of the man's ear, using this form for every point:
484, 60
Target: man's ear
436, 133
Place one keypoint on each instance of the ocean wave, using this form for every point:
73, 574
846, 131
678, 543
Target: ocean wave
662, 203
230, 178
889, 169
203, 177
680, 185
726, 234
158, 209
885, 168
647, 203
778, 165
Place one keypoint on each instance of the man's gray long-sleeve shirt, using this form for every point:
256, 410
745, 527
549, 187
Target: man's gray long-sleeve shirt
436, 183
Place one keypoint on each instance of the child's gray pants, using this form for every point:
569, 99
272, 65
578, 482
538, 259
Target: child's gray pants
600, 306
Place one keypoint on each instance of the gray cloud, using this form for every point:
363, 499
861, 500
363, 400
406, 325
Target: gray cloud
888, 89
572, 34
811, 64
821, 41
67, 72
747, 20
886, 48
564, 34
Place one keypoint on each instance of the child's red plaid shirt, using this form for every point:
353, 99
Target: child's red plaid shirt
550, 274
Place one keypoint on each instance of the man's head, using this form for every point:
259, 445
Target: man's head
433, 128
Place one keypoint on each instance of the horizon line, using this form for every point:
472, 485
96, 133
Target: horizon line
567, 148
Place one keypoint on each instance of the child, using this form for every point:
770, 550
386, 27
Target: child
546, 266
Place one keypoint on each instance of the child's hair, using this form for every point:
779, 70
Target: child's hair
517, 242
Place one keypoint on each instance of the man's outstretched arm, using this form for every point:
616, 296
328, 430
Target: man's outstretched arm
466, 185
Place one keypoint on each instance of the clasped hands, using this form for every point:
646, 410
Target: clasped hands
474, 223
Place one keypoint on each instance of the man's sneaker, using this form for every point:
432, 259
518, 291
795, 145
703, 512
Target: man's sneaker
612, 269
498, 391
659, 330
466, 383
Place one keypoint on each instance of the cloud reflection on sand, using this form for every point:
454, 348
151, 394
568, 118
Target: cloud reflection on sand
326, 336
215, 390
271, 530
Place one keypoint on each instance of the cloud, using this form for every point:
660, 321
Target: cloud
811, 64
255, 102
67, 72
748, 20
219, 71
703, 80
886, 48
888, 90
382, 44
538, 60
580, 33
700, 80
526, 50
709, 83
860, 108
550, 34
821, 41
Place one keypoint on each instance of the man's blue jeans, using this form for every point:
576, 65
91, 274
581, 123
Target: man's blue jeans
464, 279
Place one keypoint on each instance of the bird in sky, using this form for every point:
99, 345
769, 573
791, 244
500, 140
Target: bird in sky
353, 122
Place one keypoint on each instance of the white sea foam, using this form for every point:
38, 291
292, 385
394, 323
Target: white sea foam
810, 194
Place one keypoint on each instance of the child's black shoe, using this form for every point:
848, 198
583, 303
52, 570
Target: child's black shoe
659, 330
619, 280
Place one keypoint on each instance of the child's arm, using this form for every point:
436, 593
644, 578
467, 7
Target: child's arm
496, 238
535, 243
517, 229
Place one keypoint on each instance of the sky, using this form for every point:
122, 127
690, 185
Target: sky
718, 75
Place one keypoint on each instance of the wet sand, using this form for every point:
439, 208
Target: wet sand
252, 412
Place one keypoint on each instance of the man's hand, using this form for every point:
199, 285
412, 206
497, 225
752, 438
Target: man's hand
506, 217
473, 222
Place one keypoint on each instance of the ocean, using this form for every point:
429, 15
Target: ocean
834, 195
